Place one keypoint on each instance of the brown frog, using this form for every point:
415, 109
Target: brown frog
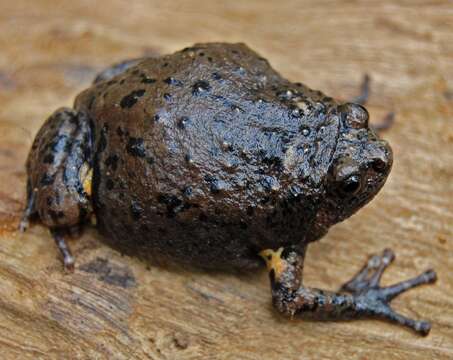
209, 157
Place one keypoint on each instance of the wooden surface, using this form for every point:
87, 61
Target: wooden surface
115, 307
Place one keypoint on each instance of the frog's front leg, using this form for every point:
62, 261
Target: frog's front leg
59, 171
366, 298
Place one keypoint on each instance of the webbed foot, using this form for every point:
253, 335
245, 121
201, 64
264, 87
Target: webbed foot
373, 300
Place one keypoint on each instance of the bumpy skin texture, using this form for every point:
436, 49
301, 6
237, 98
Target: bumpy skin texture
208, 156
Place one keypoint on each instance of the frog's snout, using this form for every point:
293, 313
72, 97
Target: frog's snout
381, 157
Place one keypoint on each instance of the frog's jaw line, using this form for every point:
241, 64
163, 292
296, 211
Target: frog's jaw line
274, 261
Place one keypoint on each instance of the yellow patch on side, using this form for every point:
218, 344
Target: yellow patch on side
86, 177
274, 260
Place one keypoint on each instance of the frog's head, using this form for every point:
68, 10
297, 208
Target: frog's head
360, 165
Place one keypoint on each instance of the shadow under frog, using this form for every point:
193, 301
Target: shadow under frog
209, 157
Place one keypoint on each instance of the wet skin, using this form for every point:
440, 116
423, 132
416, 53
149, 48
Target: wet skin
209, 157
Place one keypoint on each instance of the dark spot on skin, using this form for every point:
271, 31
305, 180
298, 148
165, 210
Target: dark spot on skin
129, 100
136, 210
187, 191
304, 130
119, 131
237, 109
182, 122
200, 87
235, 52
209, 59
109, 184
295, 111
48, 159
136, 72
165, 64
215, 185
110, 273
201, 54
60, 214
122, 81
273, 161
112, 162
49, 201
136, 147
265, 200
150, 160
156, 118
171, 201
216, 76
167, 96
47, 179
173, 81
148, 80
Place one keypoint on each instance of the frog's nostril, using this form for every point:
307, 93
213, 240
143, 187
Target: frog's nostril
379, 165
354, 115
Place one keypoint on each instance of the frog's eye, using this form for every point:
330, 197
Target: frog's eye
354, 115
351, 185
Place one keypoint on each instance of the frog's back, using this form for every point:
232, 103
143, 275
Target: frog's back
205, 156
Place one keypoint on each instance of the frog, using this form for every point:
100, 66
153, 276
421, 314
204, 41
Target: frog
208, 157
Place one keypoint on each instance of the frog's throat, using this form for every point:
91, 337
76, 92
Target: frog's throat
274, 261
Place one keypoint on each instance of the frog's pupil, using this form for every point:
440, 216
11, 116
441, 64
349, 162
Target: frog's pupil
352, 184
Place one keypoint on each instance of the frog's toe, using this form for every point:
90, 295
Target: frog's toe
68, 258
427, 277
379, 308
370, 275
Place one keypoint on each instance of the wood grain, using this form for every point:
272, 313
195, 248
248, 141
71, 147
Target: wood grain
114, 307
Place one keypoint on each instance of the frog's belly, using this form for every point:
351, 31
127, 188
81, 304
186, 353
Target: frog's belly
204, 245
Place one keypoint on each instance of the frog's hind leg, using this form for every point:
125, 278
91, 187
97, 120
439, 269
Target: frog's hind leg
115, 70
366, 298
29, 210
59, 169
